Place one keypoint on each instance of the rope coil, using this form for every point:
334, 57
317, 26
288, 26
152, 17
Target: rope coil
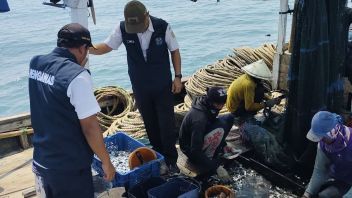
120, 103
223, 72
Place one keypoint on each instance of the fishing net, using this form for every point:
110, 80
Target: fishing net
266, 146
316, 68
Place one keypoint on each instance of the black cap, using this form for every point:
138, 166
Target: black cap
135, 15
216, 95
74, 33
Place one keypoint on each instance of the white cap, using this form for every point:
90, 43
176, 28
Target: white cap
258, 69
312, 137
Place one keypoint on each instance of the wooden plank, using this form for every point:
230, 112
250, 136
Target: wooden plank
16, 174
18, 194
15, 133
13, 161
15, 122
280, 42
30, 192
24, 141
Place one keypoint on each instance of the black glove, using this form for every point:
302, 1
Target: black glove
271, 102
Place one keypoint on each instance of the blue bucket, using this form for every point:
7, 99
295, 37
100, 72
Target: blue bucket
4, 7
175, 188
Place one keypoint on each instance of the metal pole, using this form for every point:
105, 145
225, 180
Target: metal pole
79, 11
79, 14
280, 42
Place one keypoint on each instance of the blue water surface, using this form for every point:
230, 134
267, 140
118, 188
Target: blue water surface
206, 31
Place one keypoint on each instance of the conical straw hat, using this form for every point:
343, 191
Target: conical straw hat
259, 70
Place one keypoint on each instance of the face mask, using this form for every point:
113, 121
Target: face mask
336, 139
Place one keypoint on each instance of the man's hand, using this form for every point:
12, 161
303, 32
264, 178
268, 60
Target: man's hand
99, 49
109, 171
176, 85
92, 132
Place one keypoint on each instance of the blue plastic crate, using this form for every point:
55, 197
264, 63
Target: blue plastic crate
175, 188
139, 174
140, 190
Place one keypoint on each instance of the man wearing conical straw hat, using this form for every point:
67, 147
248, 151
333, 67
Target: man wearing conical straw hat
245, 96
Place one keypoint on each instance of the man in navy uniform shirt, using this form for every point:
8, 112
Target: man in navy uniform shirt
63, 115
148, 41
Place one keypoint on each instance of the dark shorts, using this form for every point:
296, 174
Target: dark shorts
334, 188
65, 183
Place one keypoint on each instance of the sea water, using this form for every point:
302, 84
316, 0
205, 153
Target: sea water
206, 30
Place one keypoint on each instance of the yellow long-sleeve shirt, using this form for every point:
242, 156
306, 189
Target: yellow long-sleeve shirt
242, 89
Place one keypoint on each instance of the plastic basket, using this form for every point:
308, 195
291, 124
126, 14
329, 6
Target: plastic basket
217, 189
175, 188
140, 190
123, 142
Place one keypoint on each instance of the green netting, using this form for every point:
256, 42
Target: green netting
316, 70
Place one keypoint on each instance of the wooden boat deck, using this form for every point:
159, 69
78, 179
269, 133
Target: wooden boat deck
16, 174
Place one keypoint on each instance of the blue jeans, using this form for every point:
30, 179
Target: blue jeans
321, 184
332, 189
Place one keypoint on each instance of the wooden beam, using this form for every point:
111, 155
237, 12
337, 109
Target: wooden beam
16, 133
293, 27
24, 141
15, 122
280, 42
30, 192
16, 174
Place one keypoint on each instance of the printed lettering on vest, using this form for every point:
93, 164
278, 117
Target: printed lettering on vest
130, 41
158, 41
41, 76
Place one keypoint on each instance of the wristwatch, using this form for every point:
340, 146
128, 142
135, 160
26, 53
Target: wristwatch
178, 76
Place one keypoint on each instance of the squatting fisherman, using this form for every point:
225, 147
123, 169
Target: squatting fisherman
332, 174
245, 96
148, 41
203, 133
63, 114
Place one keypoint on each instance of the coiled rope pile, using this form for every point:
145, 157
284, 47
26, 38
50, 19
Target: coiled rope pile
223, 72
115, 103
132, 124
118, 112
